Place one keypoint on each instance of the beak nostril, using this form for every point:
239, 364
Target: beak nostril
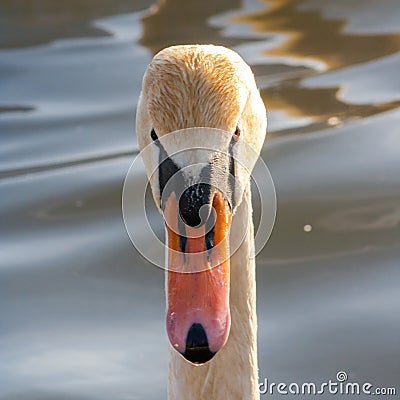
209, 238
182, 243
197, 350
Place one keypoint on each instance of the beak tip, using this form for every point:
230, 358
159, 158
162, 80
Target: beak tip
198, 356
197, 350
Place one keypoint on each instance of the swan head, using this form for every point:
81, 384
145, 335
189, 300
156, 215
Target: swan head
200, 125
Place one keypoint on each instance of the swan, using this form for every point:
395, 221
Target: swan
211, 313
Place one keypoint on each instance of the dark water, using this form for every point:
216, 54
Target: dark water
82, 314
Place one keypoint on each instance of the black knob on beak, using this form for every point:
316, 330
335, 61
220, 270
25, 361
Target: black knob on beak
191, 201
197, 350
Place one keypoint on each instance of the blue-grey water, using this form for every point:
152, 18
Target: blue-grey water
81, 312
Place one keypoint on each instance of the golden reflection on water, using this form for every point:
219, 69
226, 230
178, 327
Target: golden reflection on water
308, 36
171, 22
322, 104
312, 35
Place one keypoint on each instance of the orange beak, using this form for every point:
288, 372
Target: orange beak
198, 317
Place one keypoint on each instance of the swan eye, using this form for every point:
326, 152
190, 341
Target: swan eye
153, 134
237, 133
